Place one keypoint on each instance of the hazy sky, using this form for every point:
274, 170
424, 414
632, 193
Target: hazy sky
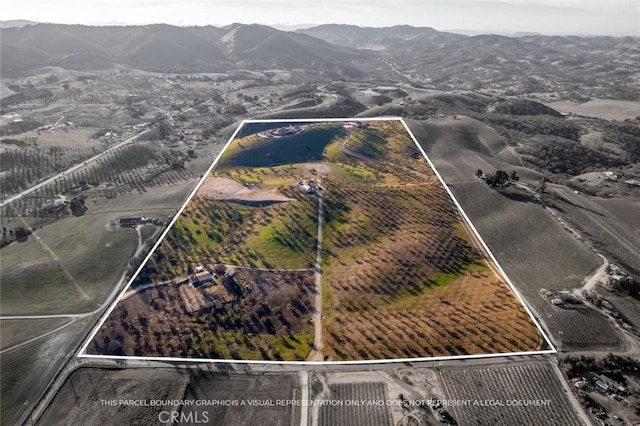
615, 17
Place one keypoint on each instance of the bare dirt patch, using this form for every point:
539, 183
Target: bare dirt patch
317, 169
216, 188
609, 109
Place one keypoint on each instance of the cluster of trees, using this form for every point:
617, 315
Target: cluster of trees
128, 157
369, 142
234, 109
612, 365
498, 180
77, 207
625, 135
248, 98
520, 128
524, 107
219, 123
268, 322
11, 235
630, 286
24, 166
26, 94
17, 127
558, 155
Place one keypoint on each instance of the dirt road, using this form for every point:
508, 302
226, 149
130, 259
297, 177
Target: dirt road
316, 353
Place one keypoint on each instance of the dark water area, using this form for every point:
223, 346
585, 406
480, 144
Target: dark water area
302, 147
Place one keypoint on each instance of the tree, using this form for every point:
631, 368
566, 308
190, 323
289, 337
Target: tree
77, 206
479, 173
499, 179
542, 185
21, 232
163, 129
220, 269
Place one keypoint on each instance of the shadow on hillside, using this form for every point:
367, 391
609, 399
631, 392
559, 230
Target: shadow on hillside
519, 196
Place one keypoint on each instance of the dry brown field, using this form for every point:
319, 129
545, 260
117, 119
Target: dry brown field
405, 282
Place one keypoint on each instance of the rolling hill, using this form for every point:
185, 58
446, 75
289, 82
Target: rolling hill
404, 36
165, 48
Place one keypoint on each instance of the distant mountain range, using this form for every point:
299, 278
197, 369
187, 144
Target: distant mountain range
381, 38
166, 48
443, 60
16, 23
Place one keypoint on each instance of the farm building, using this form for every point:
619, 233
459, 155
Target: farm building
286, 131
180, 280
201, 278
610, 383
600, 385
308, 186
130, 221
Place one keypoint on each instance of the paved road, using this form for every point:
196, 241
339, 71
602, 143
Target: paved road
28, 317
70, 170
304, 386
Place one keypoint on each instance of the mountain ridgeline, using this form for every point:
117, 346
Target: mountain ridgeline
166, 48
596, 66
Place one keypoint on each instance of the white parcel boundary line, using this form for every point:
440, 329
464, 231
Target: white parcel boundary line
484, 245
316, 363
82, 352
155, 246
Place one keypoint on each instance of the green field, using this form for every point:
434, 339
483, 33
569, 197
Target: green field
92, 251
278, 236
